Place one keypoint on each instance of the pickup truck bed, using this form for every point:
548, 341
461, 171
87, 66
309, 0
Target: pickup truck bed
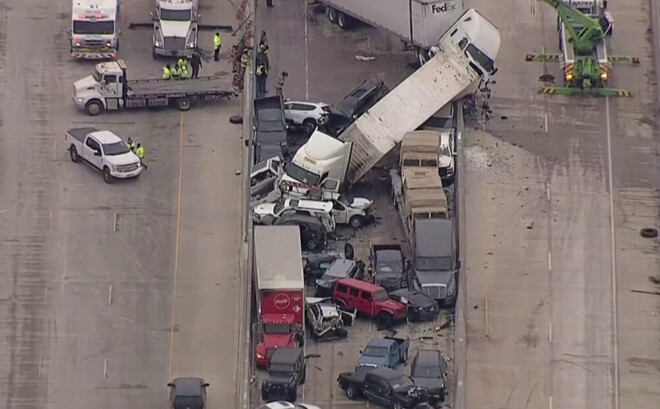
200, 86
81, 133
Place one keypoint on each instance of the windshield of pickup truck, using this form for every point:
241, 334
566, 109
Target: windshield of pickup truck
375, 351
303, 175
434, 263
277, 329
117, 148
380, 295
389, 263
175, 15
481, 58
93, 27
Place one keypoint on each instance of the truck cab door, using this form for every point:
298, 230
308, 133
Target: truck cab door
111, 91
339, 212
92, 153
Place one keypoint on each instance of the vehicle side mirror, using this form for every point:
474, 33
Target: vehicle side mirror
171, 385
206, 385
97, 153
458, 264
247, 143
605, 4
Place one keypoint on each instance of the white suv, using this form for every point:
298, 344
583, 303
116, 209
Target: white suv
307, 115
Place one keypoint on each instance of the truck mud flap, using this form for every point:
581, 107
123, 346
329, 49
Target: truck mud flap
221, 27
133, 26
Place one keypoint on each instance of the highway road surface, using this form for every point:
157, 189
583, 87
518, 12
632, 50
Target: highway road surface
556, 191
107, 291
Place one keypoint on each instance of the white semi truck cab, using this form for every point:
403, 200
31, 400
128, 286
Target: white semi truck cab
95, 29
175, 28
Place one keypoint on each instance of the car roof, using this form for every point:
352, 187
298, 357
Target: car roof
428, 357
188, 386
387, 373
359, 284
286, 355
318, 104
277, 405
105, 137
340, 267
309, 204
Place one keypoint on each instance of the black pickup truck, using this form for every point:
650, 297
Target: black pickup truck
385, 387
271, 138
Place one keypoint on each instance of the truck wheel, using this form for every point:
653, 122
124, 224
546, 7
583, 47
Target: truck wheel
352, 392
183, 103
356, 222
264, 392
309, 125
343, 21
384, 321
94, 107
153, 54
73, 152
303, 378
107, 177
332, 14
422, 57
342, 305
341, 333
293, 395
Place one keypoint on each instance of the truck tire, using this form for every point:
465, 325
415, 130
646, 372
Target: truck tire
183, 103
309, 125
649, 232
422, 56
343, 21
73, 152
341, 304
384, 321
293, 395
332, 14
153, 53
341, 333
107, 177
356, 221
352, 392
303, 378
264, 392
94, 107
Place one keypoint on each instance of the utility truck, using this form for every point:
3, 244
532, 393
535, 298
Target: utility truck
418, 23
463, 61
594, 9
94, 29
280, 289
175, 28
109, 89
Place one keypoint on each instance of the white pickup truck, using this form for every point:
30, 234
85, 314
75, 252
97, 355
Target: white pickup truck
104, 151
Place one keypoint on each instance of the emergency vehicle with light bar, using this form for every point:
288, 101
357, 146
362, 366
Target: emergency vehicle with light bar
175, 28
95, 29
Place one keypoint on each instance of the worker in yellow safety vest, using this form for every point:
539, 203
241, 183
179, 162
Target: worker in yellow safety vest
167, 74
183, 72
217, 44
176, 73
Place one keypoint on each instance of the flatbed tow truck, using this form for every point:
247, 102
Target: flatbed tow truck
583, 27
108, 89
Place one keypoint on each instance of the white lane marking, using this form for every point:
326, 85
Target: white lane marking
549, 331
55, 150
549, 261
546, 121
50, 220
110, 294
40, 363
114, 223
105, 368
306, 58
547, 190
615, 323
550, 401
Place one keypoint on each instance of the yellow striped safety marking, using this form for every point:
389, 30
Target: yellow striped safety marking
541, 57
623, 58
547, 90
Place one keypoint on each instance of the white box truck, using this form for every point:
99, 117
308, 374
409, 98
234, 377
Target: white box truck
418, 23
462, 61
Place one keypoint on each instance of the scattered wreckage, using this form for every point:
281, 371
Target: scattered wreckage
326, 320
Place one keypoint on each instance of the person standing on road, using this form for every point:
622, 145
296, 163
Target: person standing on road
263, 41
139, 151
235, 58
279, 85
217, 44
269, 3
167, 74
195, 64
262, 75
131, 145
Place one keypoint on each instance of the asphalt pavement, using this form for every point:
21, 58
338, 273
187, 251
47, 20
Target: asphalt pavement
556, 191
109, 290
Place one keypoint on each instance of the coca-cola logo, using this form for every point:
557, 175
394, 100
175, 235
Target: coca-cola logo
281, 301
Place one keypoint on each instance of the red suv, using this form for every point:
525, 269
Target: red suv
368, 299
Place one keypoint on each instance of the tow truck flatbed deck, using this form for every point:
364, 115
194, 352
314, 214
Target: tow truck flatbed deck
200, 86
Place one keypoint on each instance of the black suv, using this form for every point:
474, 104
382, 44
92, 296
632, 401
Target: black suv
356, 103
286, 371
187, 393
385, 387
429, 370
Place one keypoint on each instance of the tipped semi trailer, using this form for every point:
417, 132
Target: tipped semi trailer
418, 23
462, 62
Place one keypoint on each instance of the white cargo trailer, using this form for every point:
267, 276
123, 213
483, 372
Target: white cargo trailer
419, 23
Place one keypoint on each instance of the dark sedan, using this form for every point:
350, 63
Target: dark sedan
420, 307
429, 370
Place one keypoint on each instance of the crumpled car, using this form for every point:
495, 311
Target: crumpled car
326, 320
